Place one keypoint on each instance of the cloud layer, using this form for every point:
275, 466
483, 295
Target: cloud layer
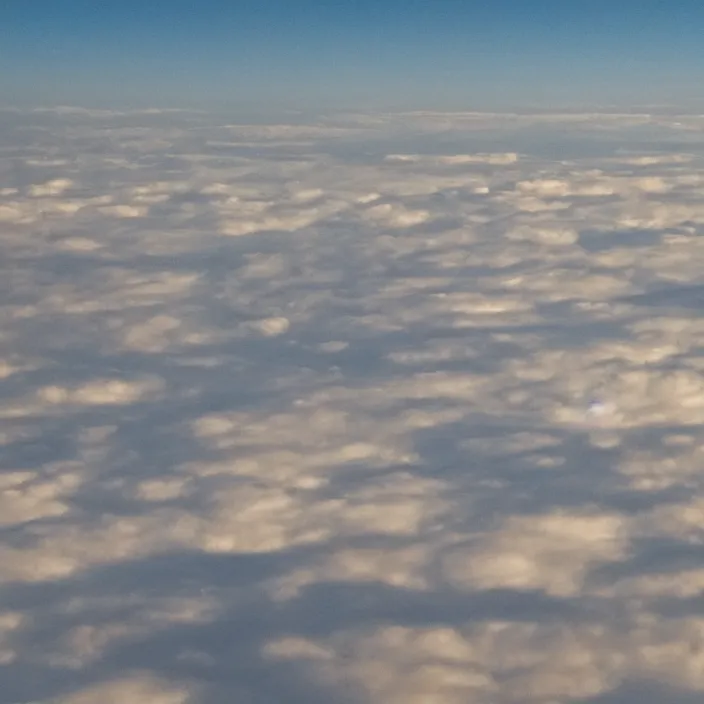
376, 409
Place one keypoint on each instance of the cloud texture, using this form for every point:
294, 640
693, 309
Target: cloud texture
376, 409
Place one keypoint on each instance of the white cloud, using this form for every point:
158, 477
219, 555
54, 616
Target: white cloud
420, 420
391, 216
552, 552
124, 211
55, 187
140, 689
272, 327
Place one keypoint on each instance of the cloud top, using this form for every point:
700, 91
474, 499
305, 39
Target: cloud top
392, 407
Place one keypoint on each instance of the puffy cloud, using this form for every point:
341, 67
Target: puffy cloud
552, 552
54, 187
138, 688
313, 408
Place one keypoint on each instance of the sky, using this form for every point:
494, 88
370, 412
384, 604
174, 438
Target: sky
448, 54
391, 396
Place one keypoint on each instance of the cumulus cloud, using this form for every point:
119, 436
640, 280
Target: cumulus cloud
139, 688
393, 407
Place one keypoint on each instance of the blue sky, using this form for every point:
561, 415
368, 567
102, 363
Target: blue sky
459, 54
